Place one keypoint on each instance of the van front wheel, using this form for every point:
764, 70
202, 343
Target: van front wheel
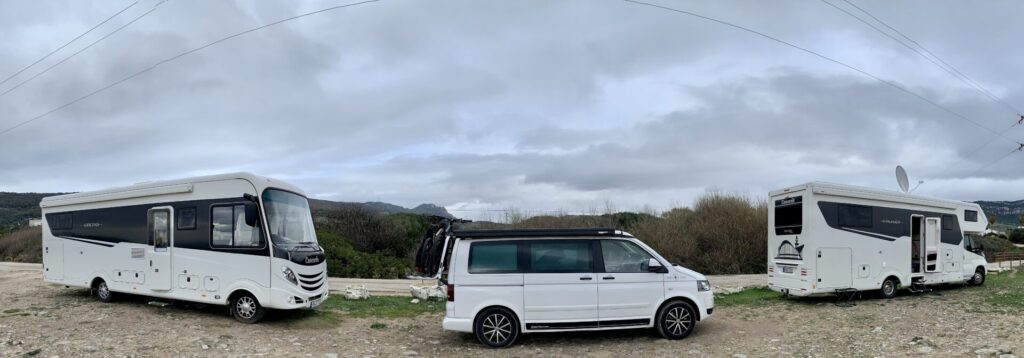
246, 309
888, 288
676, 320
978, 278
103, 292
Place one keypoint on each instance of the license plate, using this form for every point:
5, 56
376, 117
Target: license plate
316, 302
788, 269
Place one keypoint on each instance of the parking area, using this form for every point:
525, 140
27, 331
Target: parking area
44, 320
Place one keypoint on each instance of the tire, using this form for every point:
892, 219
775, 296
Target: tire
246, 309
496, 328
888, 289
102, 291
978, 279
676, 320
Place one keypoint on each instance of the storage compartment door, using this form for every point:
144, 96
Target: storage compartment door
53, 258
835, 266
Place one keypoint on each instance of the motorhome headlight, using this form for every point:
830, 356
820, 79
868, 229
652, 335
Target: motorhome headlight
289, 275
703, 285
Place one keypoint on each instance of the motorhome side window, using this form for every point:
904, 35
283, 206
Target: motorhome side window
228, 228
971, 215
186, 218
947, 222
494, 257
560, 256
789, 216
855, 215
622, 256
62, 222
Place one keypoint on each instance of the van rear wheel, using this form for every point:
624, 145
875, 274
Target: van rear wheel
496, 328
888, 288
676, 320
103, 292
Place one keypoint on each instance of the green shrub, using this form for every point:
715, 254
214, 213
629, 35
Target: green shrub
1016, 236
345, 261
23, 245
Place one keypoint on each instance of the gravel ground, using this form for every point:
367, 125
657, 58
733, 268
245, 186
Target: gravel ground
45, 320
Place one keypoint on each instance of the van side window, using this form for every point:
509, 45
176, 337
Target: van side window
623, 256
228, 228
855, 216
560, 256
186, 218
494, 257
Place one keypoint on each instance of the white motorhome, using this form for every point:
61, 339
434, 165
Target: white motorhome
831, 238
235, 239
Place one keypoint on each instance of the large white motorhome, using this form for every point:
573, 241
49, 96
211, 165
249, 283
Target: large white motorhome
235, 239
830, 238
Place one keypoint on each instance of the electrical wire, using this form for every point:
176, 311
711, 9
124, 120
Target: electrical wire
175, 57
82, 49
67, 43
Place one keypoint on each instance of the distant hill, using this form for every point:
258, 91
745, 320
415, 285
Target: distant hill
17, 208
1008, 211
383, 208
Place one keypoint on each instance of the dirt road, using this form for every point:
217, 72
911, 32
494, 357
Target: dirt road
44, 320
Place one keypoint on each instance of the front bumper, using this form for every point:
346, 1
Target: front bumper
288, 299
708, 302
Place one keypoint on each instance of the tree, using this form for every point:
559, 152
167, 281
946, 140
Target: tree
992, 219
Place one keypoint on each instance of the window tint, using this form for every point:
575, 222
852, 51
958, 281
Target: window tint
560, 256
494, 257
186, 218
971, 215
855, 215
789, 216
228, 228
160, 231
61, 222
624, 256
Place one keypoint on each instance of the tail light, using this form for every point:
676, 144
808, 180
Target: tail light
451, 292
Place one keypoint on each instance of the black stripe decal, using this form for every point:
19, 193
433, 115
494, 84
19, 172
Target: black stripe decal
87, 242
589, 324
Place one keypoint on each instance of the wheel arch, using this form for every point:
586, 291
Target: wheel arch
692, 302
515, 315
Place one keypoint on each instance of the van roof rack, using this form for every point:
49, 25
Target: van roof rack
509, 233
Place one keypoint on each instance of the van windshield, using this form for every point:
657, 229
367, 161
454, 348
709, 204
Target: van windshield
288, 218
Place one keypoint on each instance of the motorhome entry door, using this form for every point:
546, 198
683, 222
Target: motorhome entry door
160, 240
932, 236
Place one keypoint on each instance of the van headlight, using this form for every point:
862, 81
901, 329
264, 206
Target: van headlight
289, 275
703, 285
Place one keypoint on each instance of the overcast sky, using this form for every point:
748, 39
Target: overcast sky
539, 105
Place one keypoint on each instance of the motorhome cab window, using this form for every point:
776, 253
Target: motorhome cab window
289, 219
971, 215
855, 216
624, 256
560, 256
494, 257
229, 228
789, 216
186, 218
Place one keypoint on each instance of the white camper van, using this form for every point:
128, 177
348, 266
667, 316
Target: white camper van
235, 239
830, 238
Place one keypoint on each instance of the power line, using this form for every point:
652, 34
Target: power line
172, 58
830, 59
82, 49
998, 159
67, 43
960, 74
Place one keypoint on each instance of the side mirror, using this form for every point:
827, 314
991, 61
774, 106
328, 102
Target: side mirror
655, 266
252, 214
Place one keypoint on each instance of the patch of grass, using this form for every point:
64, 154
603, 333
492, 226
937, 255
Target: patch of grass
383, 306
378, 325
749, 297
1005, 290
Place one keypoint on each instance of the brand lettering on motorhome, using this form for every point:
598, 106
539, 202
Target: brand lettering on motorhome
92, 225
892, 221
312, 260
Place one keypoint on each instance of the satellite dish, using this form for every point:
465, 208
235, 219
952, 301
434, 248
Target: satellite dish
901, 178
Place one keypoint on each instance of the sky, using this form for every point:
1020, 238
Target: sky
539, 105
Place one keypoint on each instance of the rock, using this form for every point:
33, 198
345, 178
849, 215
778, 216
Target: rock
1007, 356
876, 330
986, 352
205, 347
356, 292
415, 301
410, 353
924, 350
330, 355
737, 355
428, 292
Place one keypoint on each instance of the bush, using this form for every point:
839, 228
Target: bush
1016, 236
23, 245
345, 261
369, 231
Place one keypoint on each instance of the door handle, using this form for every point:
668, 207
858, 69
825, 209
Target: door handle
608, 278
586, 278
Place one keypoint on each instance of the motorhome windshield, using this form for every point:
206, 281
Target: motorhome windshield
289, 219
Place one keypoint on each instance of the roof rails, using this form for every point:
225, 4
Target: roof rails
495, 234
